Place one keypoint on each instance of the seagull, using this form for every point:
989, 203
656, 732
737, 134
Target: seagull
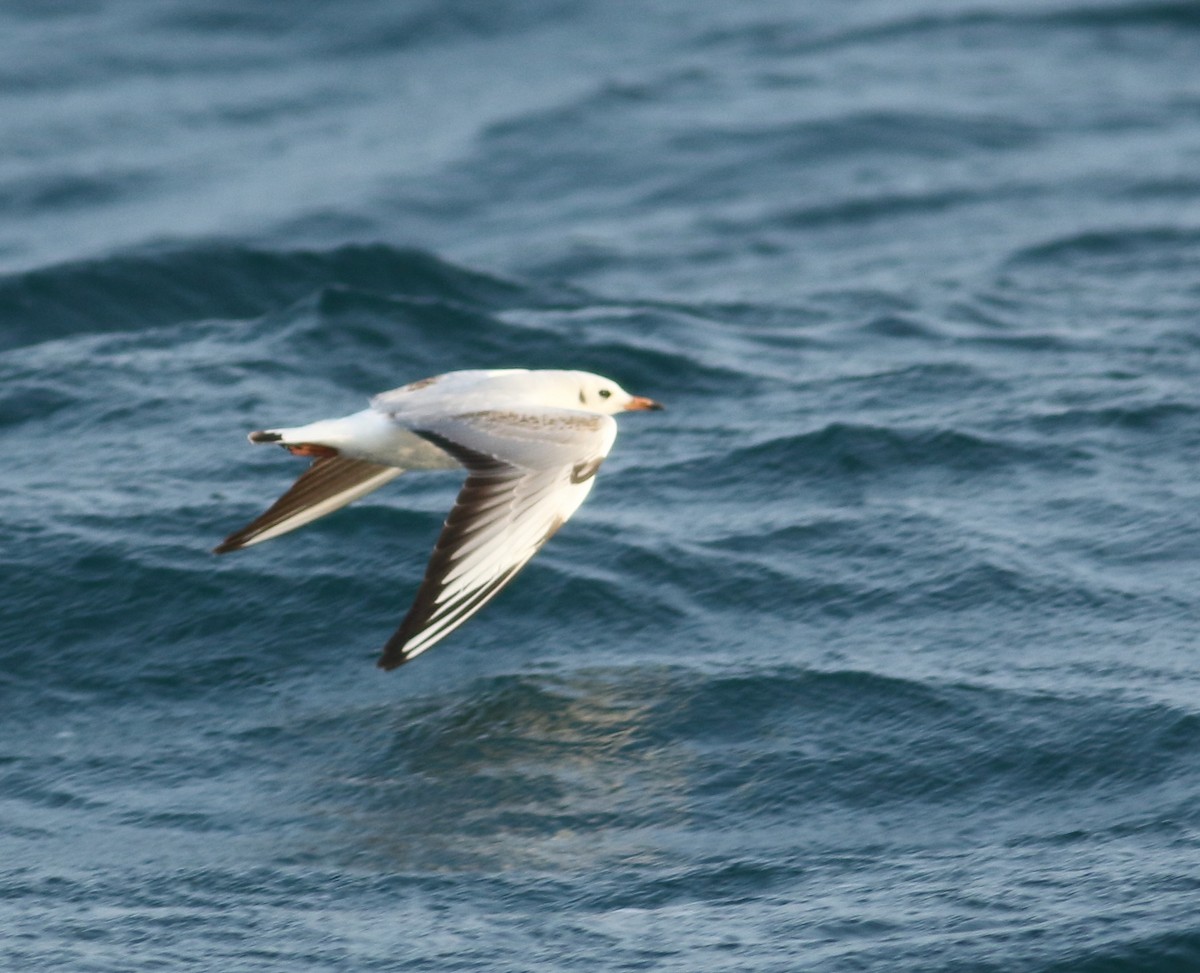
531, 442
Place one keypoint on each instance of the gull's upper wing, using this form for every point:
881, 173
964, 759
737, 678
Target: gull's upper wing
327, 485
528, 471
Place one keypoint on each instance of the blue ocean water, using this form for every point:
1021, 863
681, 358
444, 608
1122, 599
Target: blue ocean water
876, 651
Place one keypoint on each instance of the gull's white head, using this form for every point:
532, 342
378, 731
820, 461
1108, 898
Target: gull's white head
595, 393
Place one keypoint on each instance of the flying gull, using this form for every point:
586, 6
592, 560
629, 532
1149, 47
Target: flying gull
531, 442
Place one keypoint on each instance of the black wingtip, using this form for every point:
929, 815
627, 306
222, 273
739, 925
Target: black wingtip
393, 655
387, 662
234, 542
264, 437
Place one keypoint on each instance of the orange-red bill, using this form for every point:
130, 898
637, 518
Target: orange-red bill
641, 402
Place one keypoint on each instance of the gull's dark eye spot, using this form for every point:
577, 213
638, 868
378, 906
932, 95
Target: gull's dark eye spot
582, 397
605, 393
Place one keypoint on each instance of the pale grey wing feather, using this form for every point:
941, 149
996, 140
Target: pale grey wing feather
327, 485
503, 515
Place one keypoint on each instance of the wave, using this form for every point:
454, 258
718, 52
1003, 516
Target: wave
1098, 245
923, 135
1083, 281
229, 281
772, 745
926, 743
770, 38
844, 450
56, 193
1163, 952
1159, 417
367, 317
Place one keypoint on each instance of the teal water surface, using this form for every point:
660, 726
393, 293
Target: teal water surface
874, 652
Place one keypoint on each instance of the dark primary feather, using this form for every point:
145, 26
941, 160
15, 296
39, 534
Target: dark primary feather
327, 477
